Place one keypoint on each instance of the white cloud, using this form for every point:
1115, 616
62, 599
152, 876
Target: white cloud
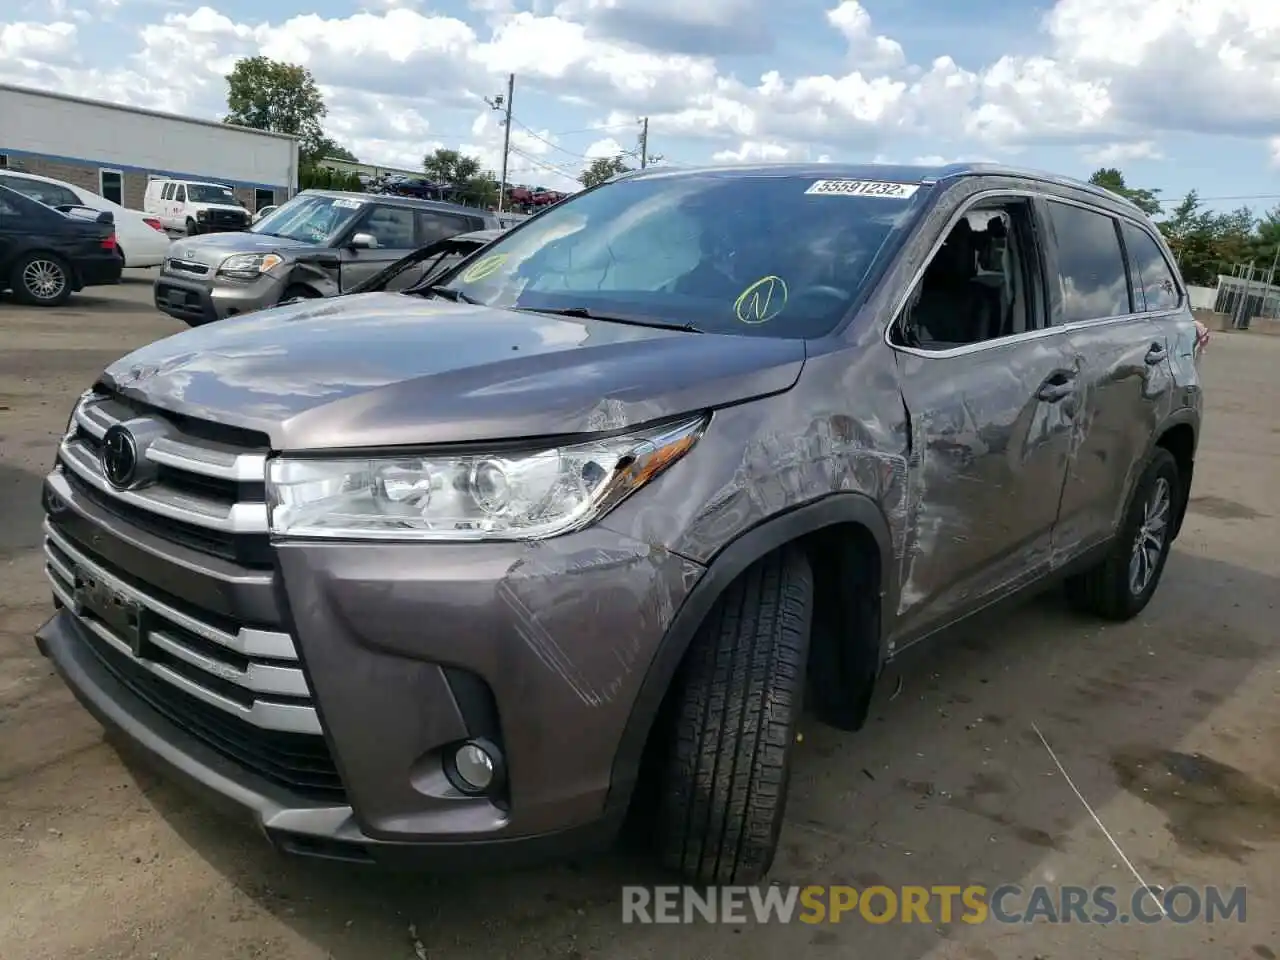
1115, 78
1114, 154
37, 42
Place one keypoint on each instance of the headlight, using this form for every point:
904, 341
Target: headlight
529, 495
248, 266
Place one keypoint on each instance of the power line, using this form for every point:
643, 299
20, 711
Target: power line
1243, 196
554, 146
542, 163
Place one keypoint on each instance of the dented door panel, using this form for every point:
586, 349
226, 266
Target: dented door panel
990, 444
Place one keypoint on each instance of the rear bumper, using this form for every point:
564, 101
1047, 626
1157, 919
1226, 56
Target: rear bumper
99, 271
292, 825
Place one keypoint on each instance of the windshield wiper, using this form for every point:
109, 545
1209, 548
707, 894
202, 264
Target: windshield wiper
636, 321
446, 293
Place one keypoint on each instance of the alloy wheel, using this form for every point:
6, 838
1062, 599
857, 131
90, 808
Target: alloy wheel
44, 279
1149, 543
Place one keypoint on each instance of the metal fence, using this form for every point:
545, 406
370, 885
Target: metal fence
1246, 294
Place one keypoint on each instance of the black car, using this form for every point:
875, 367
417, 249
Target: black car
46, 255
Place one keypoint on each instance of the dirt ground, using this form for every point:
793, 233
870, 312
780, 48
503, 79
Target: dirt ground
1169, 726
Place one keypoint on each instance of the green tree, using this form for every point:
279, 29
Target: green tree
1206, 243
601, 169
267, 94
1109, 178
464, 174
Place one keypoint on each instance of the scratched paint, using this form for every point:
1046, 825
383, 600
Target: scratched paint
553, 588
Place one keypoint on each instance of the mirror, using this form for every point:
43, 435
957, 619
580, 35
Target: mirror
363, 241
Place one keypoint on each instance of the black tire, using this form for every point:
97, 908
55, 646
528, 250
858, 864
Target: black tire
299, 292
1107, 590
192, 228
737, 704
23, 283
123, 262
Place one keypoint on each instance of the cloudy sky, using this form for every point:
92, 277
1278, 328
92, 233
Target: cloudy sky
1178, 93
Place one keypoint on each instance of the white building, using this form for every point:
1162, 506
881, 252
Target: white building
113, 149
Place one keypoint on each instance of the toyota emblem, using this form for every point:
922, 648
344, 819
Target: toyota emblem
119, 457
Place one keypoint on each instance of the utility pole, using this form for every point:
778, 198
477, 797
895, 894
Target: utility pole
644, 143
503, 104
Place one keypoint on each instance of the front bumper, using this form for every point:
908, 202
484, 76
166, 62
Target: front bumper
291, 826
407, 650
200, 301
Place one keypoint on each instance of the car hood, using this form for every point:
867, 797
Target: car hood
213, 248
389, 369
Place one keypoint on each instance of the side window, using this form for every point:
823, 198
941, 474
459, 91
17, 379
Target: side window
392, 227
180, 192
1153, 282
8, 210
433, 226
166, 193
1092, 277
49, 194
980, 285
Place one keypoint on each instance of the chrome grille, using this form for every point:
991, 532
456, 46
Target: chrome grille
252, 674
182, 492
174, 265
239, 688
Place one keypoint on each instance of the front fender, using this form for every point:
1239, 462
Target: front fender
721, 571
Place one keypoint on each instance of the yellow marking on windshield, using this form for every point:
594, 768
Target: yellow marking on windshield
762, 301
484, 267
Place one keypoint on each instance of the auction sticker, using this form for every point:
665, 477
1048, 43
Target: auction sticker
864, 188
347, 203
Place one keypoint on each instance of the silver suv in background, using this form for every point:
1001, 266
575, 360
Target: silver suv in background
320, 243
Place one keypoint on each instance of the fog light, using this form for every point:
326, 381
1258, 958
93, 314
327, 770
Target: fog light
475, 767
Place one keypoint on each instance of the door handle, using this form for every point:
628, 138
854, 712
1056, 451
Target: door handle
1057, 386
1155, 354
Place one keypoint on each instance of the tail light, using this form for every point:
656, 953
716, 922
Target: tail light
1202, 341
109, 241
153, 223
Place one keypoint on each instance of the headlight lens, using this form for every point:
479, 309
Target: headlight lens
247, 266
529, 495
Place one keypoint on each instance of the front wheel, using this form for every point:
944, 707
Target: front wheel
192, 229
41, 280
1121, 586
740, 693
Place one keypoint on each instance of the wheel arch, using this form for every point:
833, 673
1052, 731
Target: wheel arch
1179, 435
800, 525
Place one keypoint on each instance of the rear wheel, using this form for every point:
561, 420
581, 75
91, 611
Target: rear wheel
192, 229
41, 280
1121, 586
737, 705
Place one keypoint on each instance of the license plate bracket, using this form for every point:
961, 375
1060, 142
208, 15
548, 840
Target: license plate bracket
126, 618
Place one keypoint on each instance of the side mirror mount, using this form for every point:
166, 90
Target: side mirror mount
363, 241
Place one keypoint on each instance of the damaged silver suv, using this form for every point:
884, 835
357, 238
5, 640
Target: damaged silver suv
464, 572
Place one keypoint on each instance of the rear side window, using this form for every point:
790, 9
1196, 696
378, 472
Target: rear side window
167, 192
1154, 288
1092, 277
433, 226
49, 194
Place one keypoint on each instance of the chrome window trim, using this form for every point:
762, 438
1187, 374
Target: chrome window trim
1029, 335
